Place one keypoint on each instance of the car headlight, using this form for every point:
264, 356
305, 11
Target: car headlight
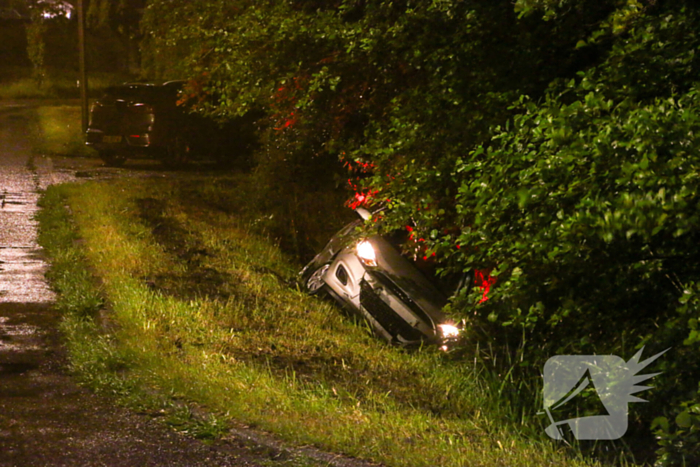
449, 331
365, 252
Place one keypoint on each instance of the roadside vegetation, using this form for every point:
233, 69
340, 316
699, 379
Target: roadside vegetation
173, 288
19, 83
550, 145
57, 131
39, 49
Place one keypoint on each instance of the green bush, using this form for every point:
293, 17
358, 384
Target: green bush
580, 198
586, 207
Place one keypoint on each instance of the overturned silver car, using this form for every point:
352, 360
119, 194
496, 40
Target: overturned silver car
396, 290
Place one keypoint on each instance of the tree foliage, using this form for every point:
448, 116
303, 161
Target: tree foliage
552, 142
35, 31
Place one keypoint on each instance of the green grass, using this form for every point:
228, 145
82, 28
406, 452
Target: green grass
58, 131
187, 305
18, 83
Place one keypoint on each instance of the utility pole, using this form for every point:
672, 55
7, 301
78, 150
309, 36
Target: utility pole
83, 72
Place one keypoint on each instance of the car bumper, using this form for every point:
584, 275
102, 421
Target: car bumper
101, 141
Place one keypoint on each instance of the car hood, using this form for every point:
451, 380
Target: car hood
403, 273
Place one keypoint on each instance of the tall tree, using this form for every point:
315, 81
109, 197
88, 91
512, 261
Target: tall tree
121, 20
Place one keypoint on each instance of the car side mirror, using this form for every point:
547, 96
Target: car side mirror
363, 213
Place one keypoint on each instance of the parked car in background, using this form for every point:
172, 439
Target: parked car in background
383, 280
144, 120
139, 119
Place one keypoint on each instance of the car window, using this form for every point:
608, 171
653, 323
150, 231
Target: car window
131, 92
144, 93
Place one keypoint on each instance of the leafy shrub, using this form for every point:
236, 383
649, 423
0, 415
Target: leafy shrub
581, 199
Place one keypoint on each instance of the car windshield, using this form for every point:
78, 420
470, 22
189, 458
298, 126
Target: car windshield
414, 250
142, 92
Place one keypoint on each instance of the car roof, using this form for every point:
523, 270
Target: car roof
141, 90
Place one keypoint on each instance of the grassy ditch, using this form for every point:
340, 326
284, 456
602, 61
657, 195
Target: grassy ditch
186, 306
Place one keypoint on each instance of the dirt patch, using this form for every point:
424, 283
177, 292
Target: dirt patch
195, 280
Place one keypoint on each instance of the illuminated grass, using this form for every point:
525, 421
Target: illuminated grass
59, 132
257, 349
18, 83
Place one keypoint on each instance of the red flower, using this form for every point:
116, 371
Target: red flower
484, 280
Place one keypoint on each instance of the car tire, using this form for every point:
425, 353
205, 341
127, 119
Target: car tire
113, 158
314, 283
177, 152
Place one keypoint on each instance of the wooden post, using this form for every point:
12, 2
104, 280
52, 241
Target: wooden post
83, 72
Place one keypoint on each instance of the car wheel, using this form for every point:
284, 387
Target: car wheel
113, 158
177, 152
314, 283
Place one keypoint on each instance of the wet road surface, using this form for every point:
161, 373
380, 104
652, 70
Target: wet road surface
45, 419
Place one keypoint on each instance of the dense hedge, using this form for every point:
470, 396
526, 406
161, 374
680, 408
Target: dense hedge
552, 143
